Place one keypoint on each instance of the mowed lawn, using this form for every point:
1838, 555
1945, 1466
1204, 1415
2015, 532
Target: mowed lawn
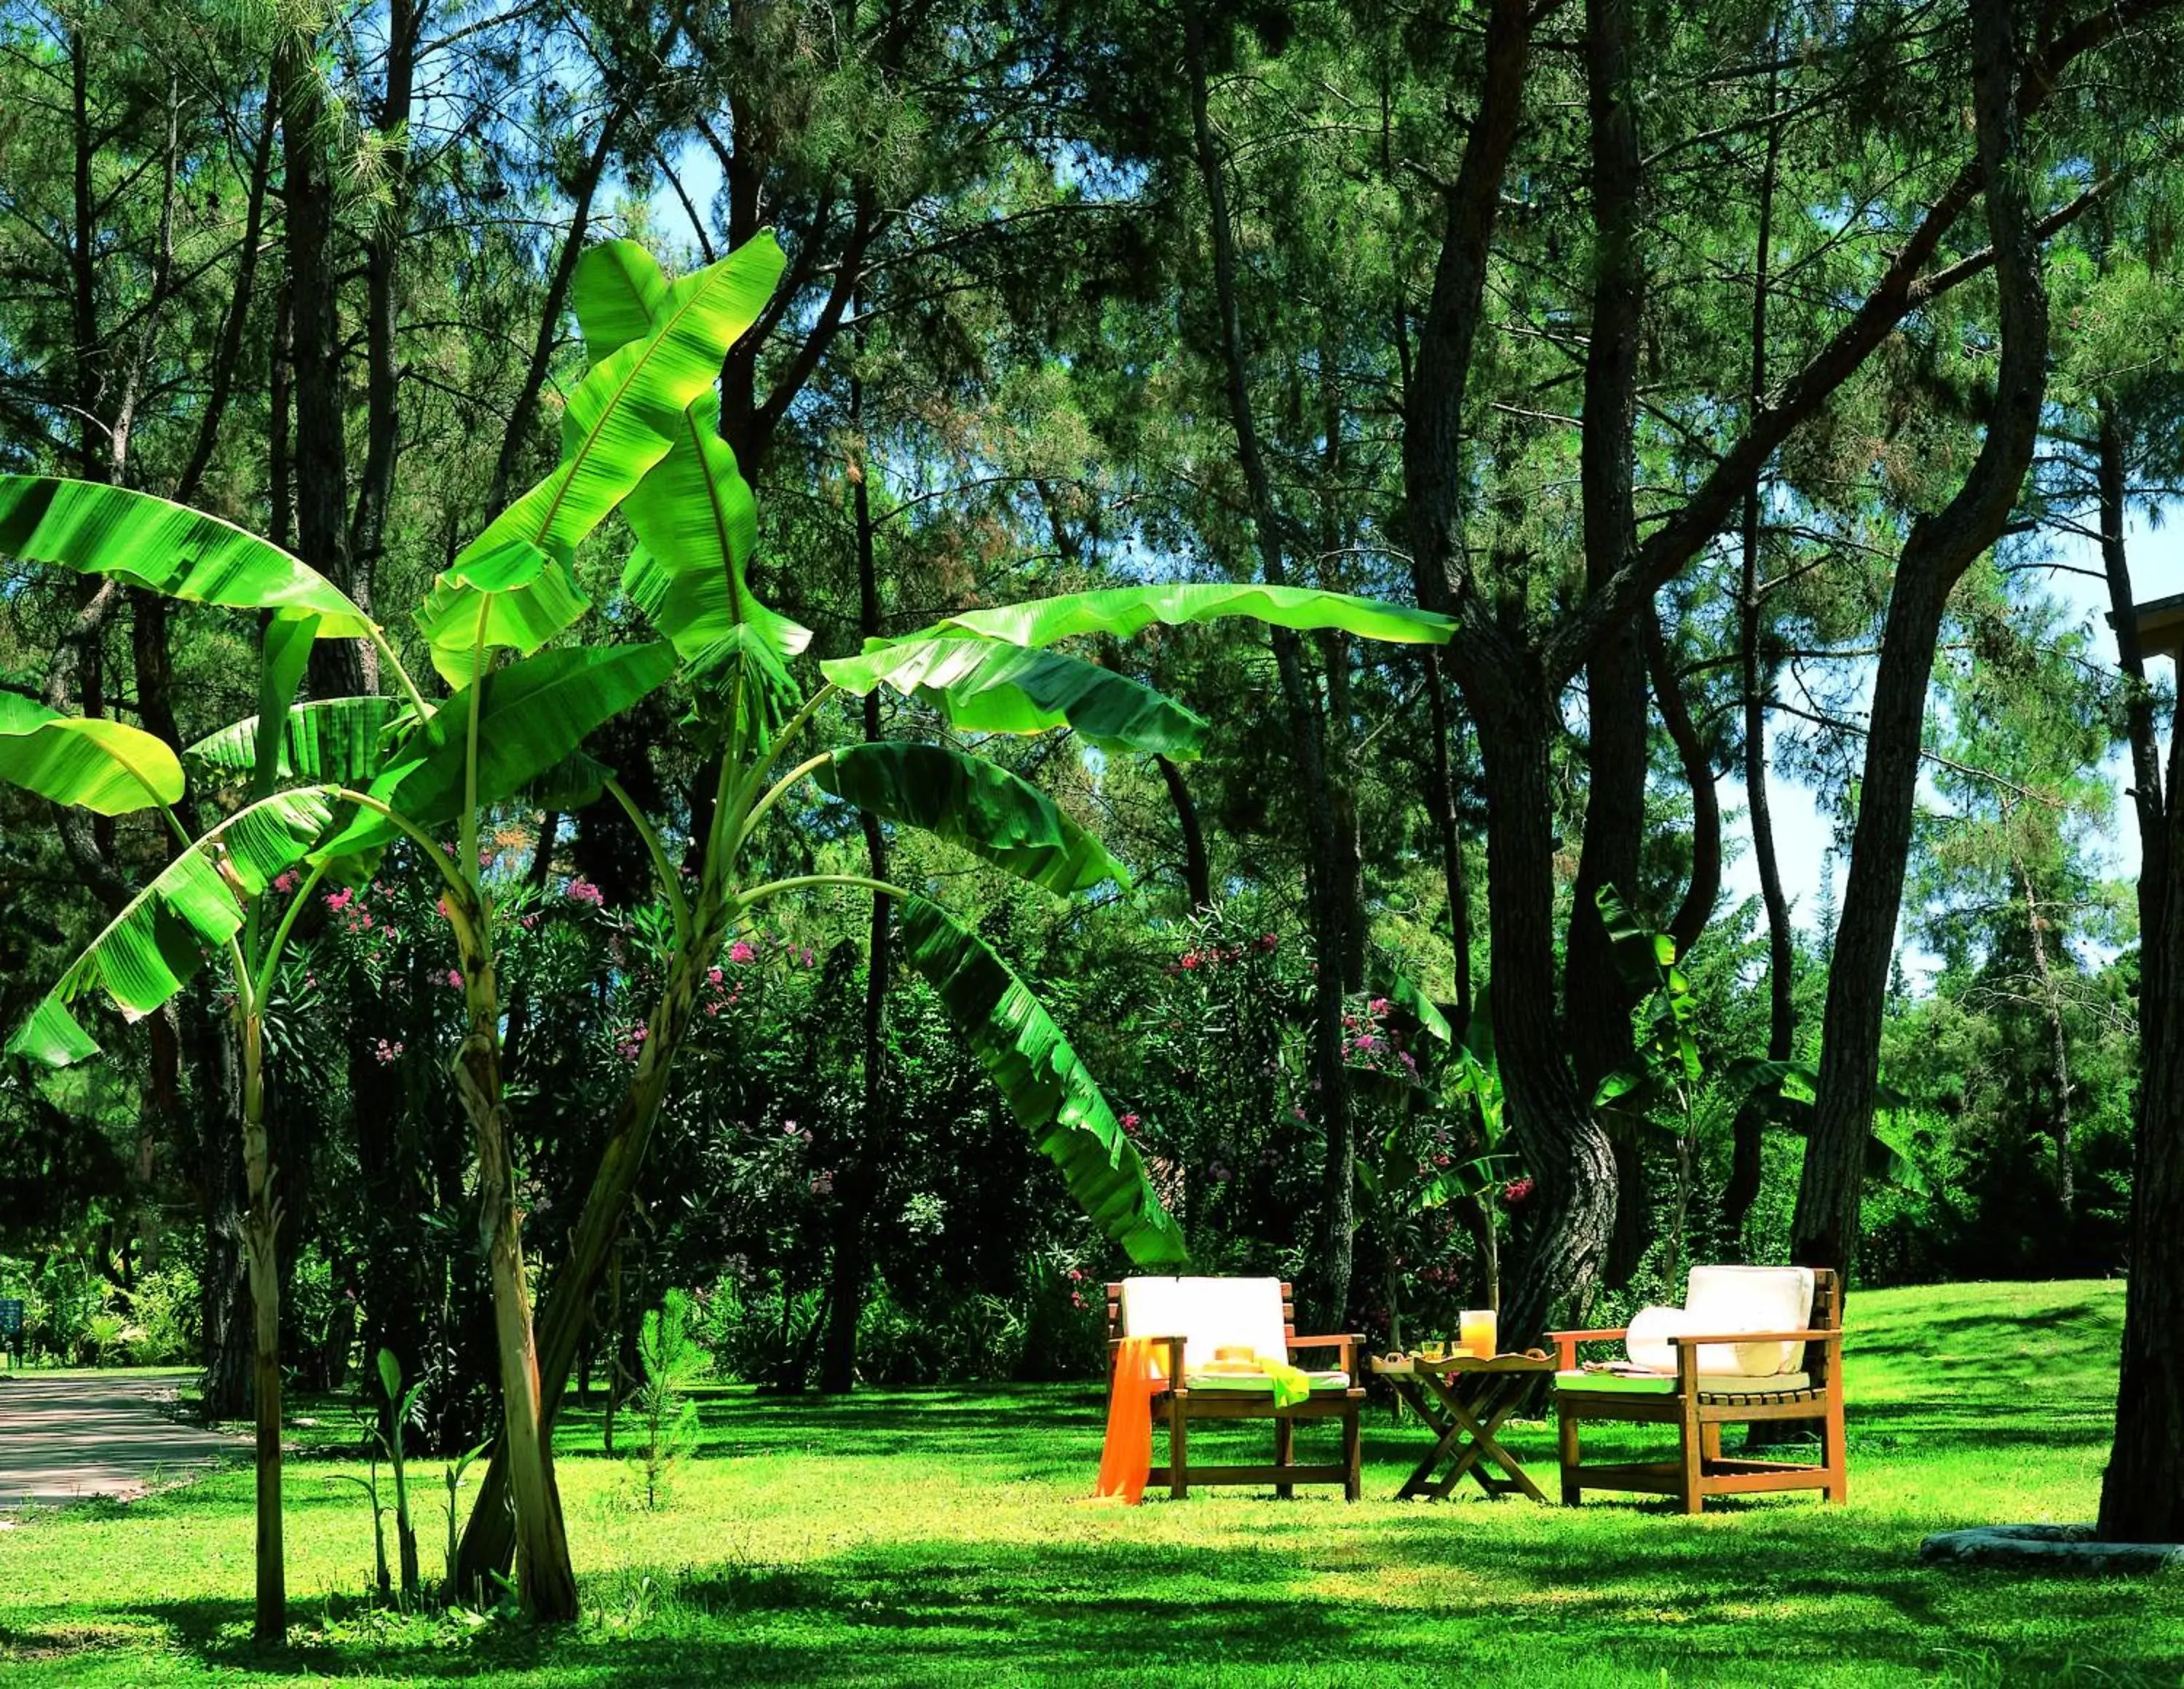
938, 1537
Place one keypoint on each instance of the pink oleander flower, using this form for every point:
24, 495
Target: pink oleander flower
339, 900
582, 890
741, 952
455, 979
1517, 1190
713, 977
285, 882
1379, 1006
386, 1052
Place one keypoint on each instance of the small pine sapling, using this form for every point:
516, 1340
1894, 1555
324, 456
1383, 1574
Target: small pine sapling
666, 1418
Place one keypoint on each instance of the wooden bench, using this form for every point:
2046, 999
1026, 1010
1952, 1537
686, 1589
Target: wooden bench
1244, 1312
1698, 1403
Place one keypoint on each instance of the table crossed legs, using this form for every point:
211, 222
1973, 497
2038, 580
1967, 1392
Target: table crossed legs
1464, 1410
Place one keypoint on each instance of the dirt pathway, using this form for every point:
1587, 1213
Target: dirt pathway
64, 1439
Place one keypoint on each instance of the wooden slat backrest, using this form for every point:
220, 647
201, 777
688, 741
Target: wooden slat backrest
1827, 1316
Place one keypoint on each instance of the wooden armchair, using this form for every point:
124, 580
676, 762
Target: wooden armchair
1193, 1318
1730, 1373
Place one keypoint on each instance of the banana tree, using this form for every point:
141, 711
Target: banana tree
213, 897
504, 729
996, 670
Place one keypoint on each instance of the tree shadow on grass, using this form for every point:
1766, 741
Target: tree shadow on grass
1621, 1599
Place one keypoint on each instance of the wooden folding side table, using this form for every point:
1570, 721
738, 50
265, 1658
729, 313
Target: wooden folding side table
1464, 1400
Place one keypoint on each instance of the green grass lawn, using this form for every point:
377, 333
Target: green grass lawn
938, 1537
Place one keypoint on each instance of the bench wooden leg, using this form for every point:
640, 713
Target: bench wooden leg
1710, 1442
1833, 1454
1353, 1485
1284, 1453
1690, 1447
1179, 1451
1566, 1423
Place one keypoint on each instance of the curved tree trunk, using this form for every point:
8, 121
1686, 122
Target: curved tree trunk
1559, 1142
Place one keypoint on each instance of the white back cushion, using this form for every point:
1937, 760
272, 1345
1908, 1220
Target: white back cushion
1729, 1299
1208, 1314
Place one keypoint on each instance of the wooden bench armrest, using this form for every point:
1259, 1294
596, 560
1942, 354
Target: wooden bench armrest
1174, 1369
1352, 1344
1682, 1338
1566, 1342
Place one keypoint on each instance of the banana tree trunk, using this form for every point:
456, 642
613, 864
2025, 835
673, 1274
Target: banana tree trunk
261, 1228
545, 1581
489, 1538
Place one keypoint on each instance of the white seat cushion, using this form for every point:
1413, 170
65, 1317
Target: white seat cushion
1318, 1380
1664, 1383
1208, 1314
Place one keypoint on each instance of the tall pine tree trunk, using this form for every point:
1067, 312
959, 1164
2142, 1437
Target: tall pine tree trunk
2142, 1491
1940, 547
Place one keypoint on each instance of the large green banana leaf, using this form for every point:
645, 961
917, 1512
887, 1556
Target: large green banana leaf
150, 950
86, 762
1047, 1087
619, 293
623, 415
532, 717
1122, 612
513, 596
142, 541
978, 805
986, 685
696, 523
331, 741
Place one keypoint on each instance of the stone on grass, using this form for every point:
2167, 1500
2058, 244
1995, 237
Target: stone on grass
2050, 1548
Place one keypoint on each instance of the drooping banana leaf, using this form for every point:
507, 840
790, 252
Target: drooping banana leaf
623, 415
152, 948
286, 653
1641, 955
1047, 1087
978, 805
988, 686
532, 717
331, 741
1122, 612
1405, 992
86, 762
698, 526
514, 596
169, 549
